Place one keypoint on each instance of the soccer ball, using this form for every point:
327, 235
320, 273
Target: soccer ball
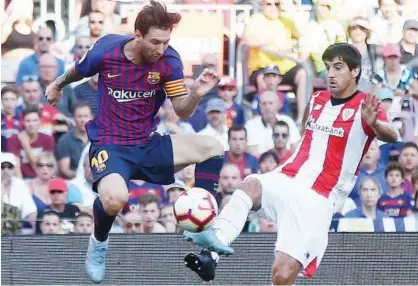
195, 210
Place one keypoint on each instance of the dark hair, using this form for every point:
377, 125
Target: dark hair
148, 199
282, 124
235, 128
80, 104
347, 53
9, 88
31, 109
414, 177
268, 154
49, 212
155, 15
409, 145
83, 214
394, 166
96, 11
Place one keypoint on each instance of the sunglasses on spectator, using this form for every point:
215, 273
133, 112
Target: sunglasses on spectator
96, 22
56, 192
49, 165
130, 225
228, 88
283, 135
353, 27
26, 78
7, 166
277, 4
83, 47
48, 39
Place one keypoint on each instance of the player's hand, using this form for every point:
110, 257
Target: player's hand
53, 93
370, 109
207, 80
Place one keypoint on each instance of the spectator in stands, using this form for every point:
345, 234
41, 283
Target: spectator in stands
229, 179
10, 219
187, 175
281, 135
387, 24
132, 223
395, 202
268, 161
48, 71
175, 190
227, 90
167, 217
139, 188
209, 61
50, 223
270, 30
83, 224
82, 45
369, 189
237, 140
260, 129
324, 31
409, 43
58, 190
96, 25
16, 29
83, 182
369, 167
359, 33
9, 118
224, 200
71, 145
267, 225
107, 7
272, 79
198, 118
46, 169
171, 123
414, 180
150, 212
88, 92
409, 161
29, 66
29, 143
15, 192
216, 127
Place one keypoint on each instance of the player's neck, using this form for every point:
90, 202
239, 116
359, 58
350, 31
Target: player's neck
128, 50
394, 191
349, 91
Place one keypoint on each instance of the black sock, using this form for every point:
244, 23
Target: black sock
207, 174
102, 221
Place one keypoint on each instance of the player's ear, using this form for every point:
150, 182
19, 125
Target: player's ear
138, 34
355, 72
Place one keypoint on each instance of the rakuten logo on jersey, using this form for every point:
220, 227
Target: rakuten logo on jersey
311, 125
129, 95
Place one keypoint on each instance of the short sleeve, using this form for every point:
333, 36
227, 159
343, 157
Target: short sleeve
62, 151
174, 85
382, 117
90, 63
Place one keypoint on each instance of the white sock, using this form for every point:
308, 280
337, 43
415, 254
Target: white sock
228, 225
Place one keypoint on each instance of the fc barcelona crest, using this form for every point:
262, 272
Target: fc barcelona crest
153, 77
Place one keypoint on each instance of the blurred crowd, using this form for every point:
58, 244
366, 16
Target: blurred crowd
45, 171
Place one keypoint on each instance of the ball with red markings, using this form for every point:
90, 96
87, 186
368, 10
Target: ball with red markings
195, 210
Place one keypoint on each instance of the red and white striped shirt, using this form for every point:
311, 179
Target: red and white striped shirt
336, 139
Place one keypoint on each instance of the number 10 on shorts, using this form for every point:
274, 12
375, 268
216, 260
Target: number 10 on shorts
99, 162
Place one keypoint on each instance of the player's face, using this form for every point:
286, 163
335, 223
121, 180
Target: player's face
394, 179
409, 158
9, 102
238, 142
227, 93
272, 81
369, 194
229, 179
150, 214
269, 164
152, 46
339, 75
82, 115
84, 225
32, 123
32, 93
280, 136
50, 224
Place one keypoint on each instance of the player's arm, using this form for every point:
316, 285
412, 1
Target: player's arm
385, 131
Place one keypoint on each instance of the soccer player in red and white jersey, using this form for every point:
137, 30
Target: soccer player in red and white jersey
304, 192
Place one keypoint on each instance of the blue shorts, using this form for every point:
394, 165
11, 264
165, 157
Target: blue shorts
152, 163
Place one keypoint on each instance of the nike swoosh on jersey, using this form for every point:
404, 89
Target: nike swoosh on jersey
112, 75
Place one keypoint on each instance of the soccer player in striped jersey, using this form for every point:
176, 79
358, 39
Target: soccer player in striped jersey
136, 74
303, 193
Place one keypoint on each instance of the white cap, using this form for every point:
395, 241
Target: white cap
8, 158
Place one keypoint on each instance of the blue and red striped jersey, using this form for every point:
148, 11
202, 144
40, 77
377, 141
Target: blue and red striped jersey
397, 206
130, 95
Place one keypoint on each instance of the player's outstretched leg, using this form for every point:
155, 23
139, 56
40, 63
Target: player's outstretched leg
227, 226
113, 196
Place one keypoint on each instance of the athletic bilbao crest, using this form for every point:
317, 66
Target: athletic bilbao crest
348, 113
153, 77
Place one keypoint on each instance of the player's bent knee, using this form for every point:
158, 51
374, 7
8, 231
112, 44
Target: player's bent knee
285, 270
252, 187
113, 193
